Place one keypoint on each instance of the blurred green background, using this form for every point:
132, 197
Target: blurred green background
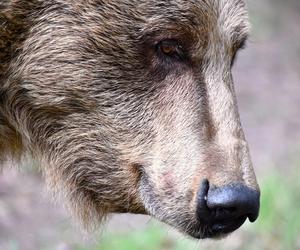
267, 80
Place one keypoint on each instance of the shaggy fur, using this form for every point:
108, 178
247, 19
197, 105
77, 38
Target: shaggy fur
116, 125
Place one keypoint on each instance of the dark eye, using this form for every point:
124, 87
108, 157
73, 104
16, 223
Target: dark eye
170, 48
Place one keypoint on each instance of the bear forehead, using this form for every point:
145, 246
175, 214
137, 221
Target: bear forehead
228, 17
196, 12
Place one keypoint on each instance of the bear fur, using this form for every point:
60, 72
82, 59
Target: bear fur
89, 91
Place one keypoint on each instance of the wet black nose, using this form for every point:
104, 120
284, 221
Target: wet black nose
225, 209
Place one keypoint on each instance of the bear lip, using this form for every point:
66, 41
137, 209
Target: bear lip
218, 229
228, 226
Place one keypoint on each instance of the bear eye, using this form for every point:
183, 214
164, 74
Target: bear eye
170, 48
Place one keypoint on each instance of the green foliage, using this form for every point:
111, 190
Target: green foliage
149, 239
279, 218
152, 238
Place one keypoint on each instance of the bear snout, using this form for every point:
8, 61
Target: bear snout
222, 210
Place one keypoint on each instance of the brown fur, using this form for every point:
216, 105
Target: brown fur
114, 126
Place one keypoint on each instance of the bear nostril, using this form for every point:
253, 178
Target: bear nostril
202, 208
224, 212
224, 209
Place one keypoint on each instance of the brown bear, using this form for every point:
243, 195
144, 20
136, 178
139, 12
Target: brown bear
129, 107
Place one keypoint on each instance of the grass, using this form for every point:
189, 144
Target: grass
278, 226
153, 237
279, 215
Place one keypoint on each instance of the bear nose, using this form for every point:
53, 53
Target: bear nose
224, 209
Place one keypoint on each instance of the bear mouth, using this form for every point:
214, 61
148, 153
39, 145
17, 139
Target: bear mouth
219, 229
